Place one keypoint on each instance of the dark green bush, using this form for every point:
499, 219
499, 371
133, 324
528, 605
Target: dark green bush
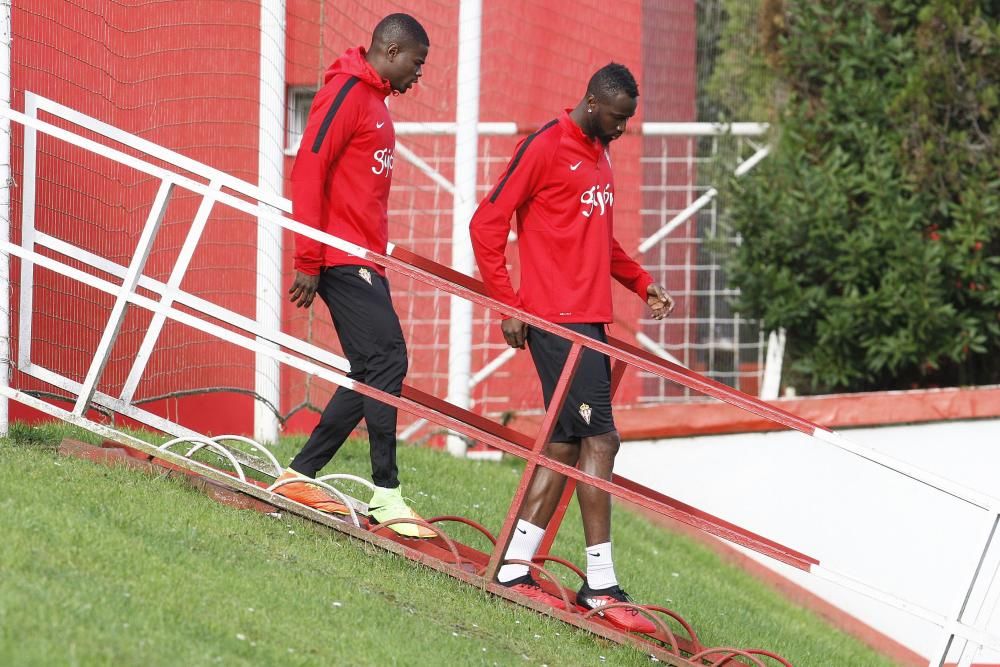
872, 232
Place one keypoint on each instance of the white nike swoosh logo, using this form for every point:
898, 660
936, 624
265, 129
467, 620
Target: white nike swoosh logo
574, 167
379, 125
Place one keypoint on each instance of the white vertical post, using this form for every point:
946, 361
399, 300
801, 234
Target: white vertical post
470, 17
28, 170
6, 33
270, 169
771, 384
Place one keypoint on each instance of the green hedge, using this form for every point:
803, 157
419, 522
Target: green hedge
872, 232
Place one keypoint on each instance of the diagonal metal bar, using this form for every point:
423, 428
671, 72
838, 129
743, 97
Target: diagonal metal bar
159, 152
961, 606
129, 282
701, 202
617, 373
173, 283
426, 169
128, 410
950, 626
984, 614
480, 375
678, 220
197, 303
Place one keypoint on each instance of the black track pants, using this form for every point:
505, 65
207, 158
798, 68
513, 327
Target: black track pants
372, 339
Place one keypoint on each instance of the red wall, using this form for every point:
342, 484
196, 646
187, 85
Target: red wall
185, 75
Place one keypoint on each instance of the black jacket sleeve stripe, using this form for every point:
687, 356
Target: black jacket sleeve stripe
517, 159
331, 112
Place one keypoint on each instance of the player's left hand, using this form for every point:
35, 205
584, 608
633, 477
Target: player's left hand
659, 300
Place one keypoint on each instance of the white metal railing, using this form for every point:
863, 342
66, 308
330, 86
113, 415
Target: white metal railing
132, 275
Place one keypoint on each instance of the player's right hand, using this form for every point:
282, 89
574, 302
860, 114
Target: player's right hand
514, 332
660, 301
303, 289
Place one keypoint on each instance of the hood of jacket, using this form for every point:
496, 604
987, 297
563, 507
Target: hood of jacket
353, 63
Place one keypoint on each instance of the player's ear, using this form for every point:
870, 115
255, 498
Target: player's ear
391, 51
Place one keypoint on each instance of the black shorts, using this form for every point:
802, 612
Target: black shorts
587, 409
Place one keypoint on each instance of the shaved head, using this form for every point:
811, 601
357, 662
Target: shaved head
398, 51
400, 29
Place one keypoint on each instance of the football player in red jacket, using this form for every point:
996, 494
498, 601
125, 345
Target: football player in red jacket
340, 185
560, 185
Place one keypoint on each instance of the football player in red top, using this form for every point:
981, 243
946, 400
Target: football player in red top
340, 185
560, 185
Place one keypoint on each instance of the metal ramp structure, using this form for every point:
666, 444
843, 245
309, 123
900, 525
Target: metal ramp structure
250, 465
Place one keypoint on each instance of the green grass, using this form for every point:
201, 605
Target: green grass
108, 566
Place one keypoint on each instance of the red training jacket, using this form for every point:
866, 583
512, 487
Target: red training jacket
560, 184
343, 170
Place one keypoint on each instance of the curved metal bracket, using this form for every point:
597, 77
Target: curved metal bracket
468, 522
253, 443
570, 607
728, 654
674, 648
680, 619
205, 442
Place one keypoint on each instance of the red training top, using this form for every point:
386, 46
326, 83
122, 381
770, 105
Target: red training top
343, 170
560, 183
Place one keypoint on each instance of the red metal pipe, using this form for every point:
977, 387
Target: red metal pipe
440, 277
557, 517
693, 637
544, 433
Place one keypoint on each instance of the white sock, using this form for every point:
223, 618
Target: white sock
600, 567
523, 546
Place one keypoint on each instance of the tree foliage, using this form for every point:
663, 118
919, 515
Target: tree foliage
872, 232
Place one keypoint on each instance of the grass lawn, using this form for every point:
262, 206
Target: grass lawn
108, 566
